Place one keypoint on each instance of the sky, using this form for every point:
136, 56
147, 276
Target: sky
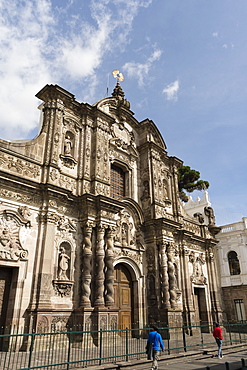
184, 63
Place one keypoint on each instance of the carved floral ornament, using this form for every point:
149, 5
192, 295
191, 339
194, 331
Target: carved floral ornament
11, 224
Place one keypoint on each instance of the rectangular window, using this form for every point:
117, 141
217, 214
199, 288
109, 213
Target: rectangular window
117, 182
240, 311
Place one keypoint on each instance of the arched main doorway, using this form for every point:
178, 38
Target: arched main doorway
123, 295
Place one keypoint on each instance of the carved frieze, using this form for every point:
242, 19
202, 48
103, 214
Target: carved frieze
192, 227
17, 165
135, 256
67, 183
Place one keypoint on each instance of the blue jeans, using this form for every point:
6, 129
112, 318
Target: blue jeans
219, 342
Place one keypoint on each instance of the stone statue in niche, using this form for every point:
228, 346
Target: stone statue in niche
145, 193
68, 145
67, 155
63, 264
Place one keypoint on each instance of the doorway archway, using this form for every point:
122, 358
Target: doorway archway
123, 296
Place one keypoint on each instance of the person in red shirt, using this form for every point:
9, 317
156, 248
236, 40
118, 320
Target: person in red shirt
217, 333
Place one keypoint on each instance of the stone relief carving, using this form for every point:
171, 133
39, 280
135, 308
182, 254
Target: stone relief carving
20, 197
62, 289
197, 261
59, 323
113, 322
67, 183
43, 324
137, 258
150, 255
192, 227
23, 168
25, 213
125, 230
10, 245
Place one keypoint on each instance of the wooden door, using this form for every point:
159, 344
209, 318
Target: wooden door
122, 295
5, 282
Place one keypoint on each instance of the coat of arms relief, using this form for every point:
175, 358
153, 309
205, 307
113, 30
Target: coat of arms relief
11, 225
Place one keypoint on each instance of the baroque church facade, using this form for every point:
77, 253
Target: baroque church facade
92, 230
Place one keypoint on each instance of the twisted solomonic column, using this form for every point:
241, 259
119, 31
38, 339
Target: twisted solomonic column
164, 275
86, 266
99, 279
172, 277
109, 274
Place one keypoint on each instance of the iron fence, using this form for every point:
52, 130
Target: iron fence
71, 349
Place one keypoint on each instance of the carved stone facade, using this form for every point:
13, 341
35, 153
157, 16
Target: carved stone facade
92, 231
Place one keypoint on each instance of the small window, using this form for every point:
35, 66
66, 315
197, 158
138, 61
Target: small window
233, 263
240, 310
117, 182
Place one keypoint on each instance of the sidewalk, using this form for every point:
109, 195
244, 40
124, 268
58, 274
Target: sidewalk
188, 361
200, 362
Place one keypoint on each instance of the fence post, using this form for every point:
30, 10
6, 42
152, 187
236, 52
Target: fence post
239, 333
168, 342
243, 363
207, 368
31, 348
69, 348
184, 340
100, 346
230, 334
227, 366
127, 344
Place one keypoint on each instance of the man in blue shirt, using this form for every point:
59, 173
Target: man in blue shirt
155, 338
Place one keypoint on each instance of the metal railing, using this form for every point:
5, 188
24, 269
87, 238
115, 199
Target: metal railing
76, 348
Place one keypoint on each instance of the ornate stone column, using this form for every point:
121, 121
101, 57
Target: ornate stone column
86, 266
187, 292
213, 290
171, 274
164, 275
109, 274
100, 254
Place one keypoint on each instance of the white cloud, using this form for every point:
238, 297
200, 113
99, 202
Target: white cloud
42, 43
171, 91
140, 71
225, 46
215, 34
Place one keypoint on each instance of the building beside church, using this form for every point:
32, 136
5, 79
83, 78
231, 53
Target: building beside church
232, 252
92, 230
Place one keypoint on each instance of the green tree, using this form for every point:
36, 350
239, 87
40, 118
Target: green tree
188, 180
